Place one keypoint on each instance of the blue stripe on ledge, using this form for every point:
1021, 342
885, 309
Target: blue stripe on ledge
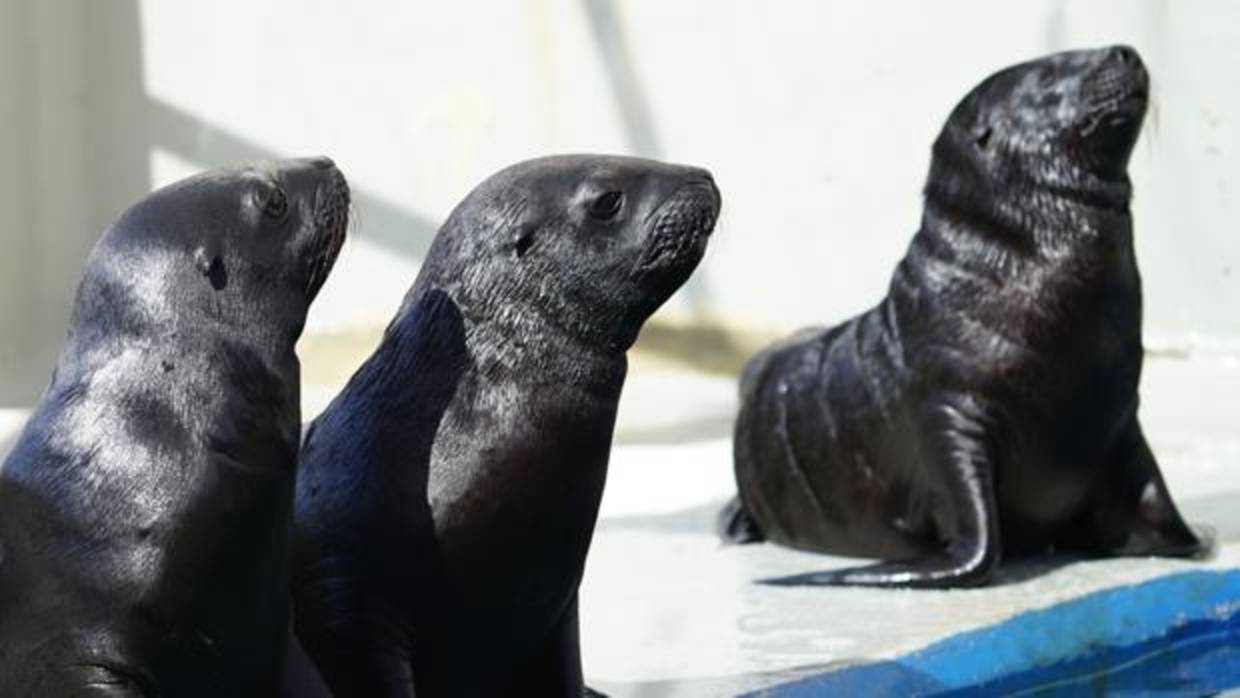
1175, 635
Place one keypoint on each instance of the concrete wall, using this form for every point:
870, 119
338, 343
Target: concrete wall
72, 154
816, 117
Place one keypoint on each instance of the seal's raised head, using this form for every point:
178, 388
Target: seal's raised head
998, 379
1064, 119
144, 510
591, 244
237, 243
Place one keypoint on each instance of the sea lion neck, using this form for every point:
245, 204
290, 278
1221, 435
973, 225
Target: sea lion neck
513, 328
1021, 208
524, 344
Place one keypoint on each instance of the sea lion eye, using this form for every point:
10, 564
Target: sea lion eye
983, 138
277, 204
607, 205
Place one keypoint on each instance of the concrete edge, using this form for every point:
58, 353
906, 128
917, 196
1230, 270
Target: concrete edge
1079, 638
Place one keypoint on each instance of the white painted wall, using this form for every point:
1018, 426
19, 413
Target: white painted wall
71, 156
816, 117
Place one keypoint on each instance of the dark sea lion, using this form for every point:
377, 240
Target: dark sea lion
447, 497
144, 512
988, 405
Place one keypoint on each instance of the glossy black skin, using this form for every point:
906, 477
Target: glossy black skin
144, 510
446, 499
987, 407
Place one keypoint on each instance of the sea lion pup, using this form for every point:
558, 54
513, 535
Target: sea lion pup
988, 405
144, 512
447, 497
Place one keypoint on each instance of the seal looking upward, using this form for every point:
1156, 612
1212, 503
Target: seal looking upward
988, 405
447, 497
144, 510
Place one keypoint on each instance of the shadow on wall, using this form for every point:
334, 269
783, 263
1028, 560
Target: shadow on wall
607, 28
77, 158
83, 129
402, 231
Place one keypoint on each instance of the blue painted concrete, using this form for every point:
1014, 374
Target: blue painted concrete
1175, 635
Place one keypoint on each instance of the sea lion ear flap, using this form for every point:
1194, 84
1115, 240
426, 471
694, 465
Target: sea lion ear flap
522, 239
211, 265
981, 135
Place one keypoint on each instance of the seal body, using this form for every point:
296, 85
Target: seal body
446, 499
144, 509
988, 405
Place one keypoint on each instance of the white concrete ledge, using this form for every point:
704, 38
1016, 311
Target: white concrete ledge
667, 611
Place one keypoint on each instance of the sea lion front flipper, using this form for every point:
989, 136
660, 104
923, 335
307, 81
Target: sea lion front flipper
1133, 513
555, 670
955, 436
356, 519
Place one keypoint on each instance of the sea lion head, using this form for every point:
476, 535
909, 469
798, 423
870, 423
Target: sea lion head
590, 244
1065, 121
248, 247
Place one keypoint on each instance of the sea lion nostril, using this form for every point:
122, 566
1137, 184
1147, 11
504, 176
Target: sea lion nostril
709, 184
331, 227
1122, 54
322, 162
697, 174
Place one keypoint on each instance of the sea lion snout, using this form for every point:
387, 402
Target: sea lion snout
1054, 118
323, 189
321, 162
1115, 95
701, 177
1118, 76
680, 226
1126, 58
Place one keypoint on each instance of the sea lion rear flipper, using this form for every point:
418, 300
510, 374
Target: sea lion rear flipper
736, 526
970, 522
1133, 513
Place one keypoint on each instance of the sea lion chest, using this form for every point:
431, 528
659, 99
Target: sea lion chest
1073, 385
516, 474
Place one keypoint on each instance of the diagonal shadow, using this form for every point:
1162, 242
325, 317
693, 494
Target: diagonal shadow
381, 221
635, 113
625, 86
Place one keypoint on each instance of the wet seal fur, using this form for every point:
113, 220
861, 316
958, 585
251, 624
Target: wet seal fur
446, 499
144, 510
987, 407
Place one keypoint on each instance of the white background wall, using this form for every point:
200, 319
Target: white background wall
816, 117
